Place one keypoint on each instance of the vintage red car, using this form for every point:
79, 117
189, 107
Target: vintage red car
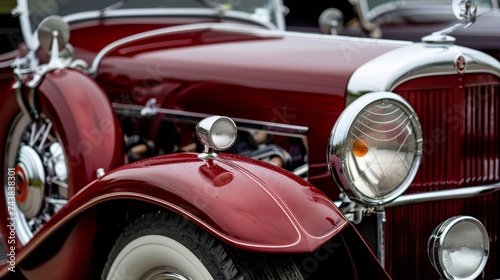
354, 158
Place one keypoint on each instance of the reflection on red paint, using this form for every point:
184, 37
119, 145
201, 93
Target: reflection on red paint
215, 174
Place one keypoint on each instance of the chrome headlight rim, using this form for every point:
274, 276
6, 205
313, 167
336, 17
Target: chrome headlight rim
338, 139
435, 246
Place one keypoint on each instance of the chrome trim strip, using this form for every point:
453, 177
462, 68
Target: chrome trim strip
386, 72
225, 27
168, 12
7, 63
349, 41
381, 220
194, 118
461, 193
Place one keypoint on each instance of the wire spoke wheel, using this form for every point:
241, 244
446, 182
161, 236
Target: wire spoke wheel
37, 156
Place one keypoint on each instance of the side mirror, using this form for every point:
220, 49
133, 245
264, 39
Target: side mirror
53, 36
331, 21
48, 27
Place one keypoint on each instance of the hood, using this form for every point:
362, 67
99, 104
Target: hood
170, 60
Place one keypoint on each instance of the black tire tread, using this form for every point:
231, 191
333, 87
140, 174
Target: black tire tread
224, 262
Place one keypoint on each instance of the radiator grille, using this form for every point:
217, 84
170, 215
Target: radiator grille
482, 144
461, 128
461, 136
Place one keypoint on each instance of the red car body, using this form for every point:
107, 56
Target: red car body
292, 86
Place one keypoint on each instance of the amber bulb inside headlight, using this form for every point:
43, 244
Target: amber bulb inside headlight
360, 147
392, 152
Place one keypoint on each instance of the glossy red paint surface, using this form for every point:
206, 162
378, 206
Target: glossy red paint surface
290, 79
273, 77
273, 81
112, 29
227, 207
250, 207
270, 209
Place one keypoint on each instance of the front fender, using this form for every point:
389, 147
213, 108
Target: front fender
88, 127
248, 204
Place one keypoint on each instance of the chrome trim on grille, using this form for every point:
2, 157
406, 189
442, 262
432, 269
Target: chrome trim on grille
178, 29
393, 68
194, 118
461, 193
381, 219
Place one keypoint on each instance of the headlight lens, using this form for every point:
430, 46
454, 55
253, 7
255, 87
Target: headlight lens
459, 248
219, 133
375, 148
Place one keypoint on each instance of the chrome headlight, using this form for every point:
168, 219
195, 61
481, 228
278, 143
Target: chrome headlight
216, 132
375, 148
459, 248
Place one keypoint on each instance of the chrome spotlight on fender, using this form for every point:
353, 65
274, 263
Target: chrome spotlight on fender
459, 248
216, 133
375, 148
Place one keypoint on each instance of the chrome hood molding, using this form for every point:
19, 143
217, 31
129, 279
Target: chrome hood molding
395, 67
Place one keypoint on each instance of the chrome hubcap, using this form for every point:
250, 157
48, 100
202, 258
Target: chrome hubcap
164, 273
30, 182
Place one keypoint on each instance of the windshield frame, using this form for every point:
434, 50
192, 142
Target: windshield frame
31, 41
24, 20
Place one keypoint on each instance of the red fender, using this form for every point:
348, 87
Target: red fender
247, 203
250, 204
84, 120
92, 134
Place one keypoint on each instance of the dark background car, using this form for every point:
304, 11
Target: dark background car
413, 20
401, 20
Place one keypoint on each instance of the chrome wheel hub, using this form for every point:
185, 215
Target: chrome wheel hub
30, 182
164, 273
